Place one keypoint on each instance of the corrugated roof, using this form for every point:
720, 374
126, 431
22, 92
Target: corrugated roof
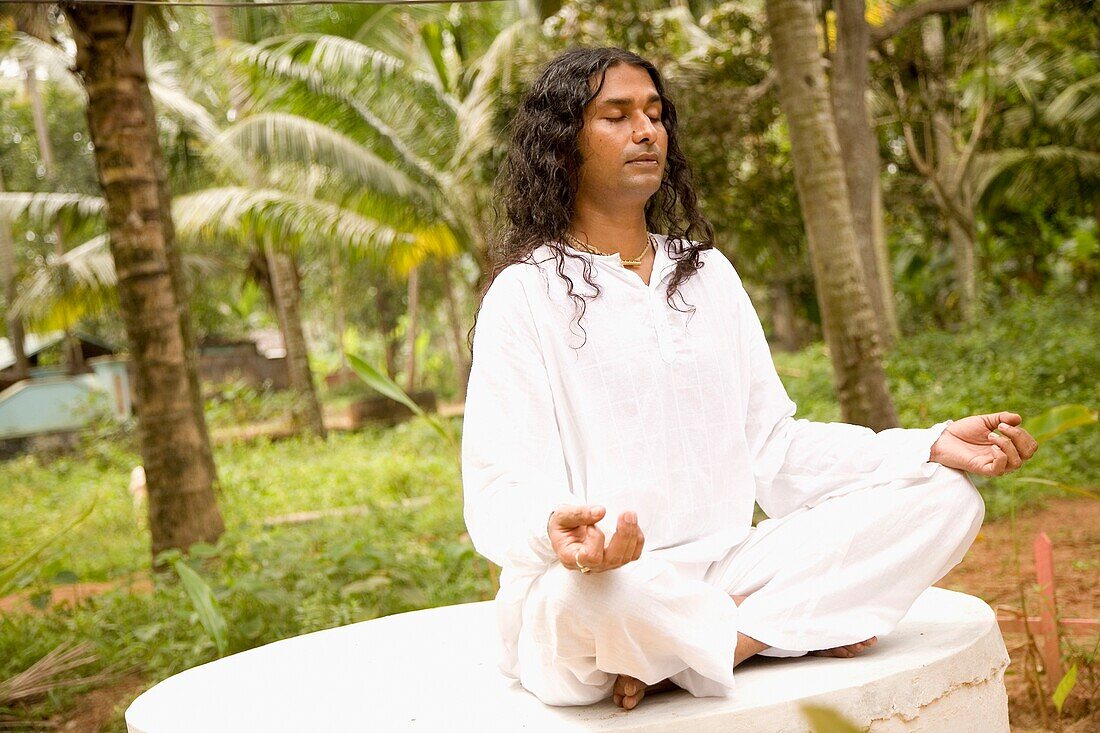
37, 342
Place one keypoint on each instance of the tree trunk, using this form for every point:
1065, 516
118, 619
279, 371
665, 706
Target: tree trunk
225, 30
882, 254
945, 167
411, 332
860, 156
339, 308
22, 367
285, 286
784, 321
458, 338
175, 446
383, 300
847, 318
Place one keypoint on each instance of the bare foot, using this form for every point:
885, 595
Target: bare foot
848, 650
629, 691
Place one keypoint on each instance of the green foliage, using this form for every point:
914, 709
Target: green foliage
1029, 356
10, 575
238, 402
386, 386
404, 548
206, 607
1058, 420
1065, 686
827, 720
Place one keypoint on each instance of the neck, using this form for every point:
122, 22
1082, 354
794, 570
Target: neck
609, 230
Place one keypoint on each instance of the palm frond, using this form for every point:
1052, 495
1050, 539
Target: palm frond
172, 98
1078, 105
47, 208
318, 83
284, 219
365, 68
280, 136
35, 52
63, 289
477, 110
436, 242
1019, 173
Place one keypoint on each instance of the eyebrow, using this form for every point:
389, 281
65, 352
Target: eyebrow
626, 102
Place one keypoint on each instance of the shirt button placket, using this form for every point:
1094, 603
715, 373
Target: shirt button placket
660, 322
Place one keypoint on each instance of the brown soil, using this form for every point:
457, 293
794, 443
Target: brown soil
990, 572
71, 594
102, 708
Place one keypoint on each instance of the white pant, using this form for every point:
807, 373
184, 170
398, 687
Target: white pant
840, 572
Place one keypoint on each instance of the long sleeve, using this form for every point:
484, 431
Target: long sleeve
801, 463
513, 466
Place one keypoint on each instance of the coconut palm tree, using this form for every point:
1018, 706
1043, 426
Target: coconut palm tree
175, 445
1065, 167
396, 130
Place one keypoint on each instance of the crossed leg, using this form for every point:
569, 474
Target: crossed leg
629, 691
821, 578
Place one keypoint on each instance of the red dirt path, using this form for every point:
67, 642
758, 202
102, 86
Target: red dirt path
989, 571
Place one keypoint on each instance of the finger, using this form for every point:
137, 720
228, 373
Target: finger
639, 545
997, 464
568, 517
1009, 449
1025, 444
1011, 418
618, 699
632, 548
633, 532
574, 556
615, 554
593, 552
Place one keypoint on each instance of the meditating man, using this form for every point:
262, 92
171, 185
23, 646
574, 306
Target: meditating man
623, 414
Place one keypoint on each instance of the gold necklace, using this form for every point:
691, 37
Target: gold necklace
635, 262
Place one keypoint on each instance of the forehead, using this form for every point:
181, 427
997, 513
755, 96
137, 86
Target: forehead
626, 82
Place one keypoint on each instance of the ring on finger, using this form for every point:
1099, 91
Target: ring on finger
583, 568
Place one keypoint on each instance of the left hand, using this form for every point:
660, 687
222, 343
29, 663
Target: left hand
971, 445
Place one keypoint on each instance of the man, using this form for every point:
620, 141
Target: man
623, 414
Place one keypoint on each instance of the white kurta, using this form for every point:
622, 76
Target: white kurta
676, 415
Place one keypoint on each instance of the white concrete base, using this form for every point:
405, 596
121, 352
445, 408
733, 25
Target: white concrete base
942, 669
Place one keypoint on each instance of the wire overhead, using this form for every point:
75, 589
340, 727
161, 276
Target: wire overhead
243, 3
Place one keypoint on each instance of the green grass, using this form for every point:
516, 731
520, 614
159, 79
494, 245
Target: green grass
410, 551
1032, 356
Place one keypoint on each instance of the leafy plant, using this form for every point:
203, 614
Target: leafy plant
386, 386
206, 607
1065, 686
827, 720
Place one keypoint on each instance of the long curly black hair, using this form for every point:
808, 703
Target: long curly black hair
539, 180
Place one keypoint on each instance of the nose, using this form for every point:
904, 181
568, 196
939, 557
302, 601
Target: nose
645, 131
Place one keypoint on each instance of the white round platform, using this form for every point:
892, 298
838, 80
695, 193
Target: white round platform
942, 668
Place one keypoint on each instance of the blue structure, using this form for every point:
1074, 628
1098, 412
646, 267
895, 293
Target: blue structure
51, 401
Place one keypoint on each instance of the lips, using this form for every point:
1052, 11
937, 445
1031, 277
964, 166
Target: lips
647, 158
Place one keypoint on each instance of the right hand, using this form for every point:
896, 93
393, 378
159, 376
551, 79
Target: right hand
573, 528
